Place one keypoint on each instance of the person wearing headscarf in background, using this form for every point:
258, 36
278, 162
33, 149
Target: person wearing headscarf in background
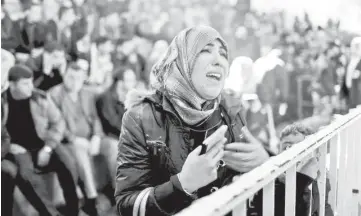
352, 83
161, 165
242, 83
272, 90
242, 79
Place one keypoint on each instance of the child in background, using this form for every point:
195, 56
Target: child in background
307, 174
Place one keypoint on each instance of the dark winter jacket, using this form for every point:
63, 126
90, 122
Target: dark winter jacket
110, 111
144, 163
49, 124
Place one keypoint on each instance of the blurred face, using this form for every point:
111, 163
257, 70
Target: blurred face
290, 140
57, 57
35, 14
113, 20
84, 44
210, 70
106, 47
23, 88
68, 17
74, 79
126, 48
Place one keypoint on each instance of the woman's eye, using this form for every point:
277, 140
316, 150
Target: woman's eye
223, 53
206, 50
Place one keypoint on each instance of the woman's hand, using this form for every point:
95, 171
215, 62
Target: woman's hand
200, 170
243, 157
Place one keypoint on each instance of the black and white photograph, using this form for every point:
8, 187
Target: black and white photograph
180, 107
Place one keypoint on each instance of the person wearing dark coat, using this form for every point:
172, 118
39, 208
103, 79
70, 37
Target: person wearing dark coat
110, 105
306, 176
48, 67
36, 129
165, 160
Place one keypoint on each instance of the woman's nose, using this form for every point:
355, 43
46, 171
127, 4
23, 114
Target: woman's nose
216, 59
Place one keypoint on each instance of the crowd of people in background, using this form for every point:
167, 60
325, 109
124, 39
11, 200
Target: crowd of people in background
67, 67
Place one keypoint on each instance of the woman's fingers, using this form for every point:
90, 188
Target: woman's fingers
215, 137
217, 157
236, 157
213, 151
239, 147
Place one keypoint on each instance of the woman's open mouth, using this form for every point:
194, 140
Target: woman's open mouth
214, 75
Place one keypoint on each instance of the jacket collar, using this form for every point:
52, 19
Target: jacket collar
160, 101
231, 105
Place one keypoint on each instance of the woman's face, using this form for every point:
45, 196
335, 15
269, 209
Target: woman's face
210, 70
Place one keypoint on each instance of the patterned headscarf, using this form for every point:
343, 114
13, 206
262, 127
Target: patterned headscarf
174, 71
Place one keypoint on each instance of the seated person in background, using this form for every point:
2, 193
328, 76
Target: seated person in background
110, 105
307, 174
36, 129
84, 129
49, 67
11, 177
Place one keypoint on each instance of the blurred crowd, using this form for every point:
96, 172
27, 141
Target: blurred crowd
72, 63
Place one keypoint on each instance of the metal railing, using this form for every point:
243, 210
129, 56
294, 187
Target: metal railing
340, 142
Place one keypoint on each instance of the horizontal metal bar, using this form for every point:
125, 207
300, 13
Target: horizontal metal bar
230, 196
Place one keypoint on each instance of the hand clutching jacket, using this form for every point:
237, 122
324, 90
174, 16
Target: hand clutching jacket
159, 169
